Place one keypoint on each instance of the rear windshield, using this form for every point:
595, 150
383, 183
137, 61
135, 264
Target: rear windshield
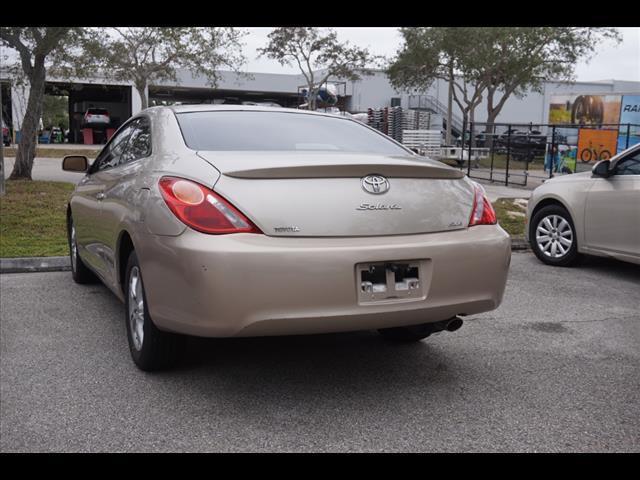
280, 131
98, 111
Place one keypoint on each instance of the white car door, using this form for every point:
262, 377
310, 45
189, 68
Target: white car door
612, 213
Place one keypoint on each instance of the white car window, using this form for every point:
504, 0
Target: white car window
629, 165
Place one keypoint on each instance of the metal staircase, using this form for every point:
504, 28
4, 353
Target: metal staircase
432, 104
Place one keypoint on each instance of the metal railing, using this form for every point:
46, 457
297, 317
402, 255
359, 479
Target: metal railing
526, 154
429, 102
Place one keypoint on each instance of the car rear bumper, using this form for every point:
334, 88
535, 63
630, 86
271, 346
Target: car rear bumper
255, 285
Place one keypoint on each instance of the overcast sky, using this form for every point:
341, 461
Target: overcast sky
620, 62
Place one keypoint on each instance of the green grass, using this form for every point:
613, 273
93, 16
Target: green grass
500, 161
33, 219
57, 152
509, 216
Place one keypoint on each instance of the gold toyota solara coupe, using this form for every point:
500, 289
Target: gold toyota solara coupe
236, 221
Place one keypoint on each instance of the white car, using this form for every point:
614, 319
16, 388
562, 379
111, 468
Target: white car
596, 213
97, 116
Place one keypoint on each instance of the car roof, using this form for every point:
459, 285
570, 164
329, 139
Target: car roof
238, 108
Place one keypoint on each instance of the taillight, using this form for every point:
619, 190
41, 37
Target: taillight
483, 212
202, 209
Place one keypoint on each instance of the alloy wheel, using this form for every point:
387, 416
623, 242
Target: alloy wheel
74, 249
136, 308
554, 236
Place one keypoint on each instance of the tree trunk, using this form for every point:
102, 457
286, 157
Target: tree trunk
494, 111
313, 96
27, 146
472, 138
465, 126
142, 91
491, 116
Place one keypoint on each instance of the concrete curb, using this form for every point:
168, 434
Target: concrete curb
35, 264
519, 244
63, 264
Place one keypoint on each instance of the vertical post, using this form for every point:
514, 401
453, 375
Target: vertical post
506, 173
492, 143
470, 143
628, 133
551, 153
464, 128
527, 157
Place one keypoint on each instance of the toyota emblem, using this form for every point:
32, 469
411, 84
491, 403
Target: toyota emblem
375, 184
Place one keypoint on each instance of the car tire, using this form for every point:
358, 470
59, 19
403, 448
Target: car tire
151, 349
79, 271
411, 333
555, 220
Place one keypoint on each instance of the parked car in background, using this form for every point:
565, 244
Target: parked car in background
239, 221
96, 116
522, 145
596, 213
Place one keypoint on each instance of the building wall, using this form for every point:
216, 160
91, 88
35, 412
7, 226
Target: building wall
371, 91
376, 91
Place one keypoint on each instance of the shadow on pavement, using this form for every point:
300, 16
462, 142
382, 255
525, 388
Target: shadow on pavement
610, 266
301, 367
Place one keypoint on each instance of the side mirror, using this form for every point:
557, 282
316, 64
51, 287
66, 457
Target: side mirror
601, 169
75, 163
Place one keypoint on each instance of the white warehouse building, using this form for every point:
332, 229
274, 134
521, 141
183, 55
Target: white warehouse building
371, 91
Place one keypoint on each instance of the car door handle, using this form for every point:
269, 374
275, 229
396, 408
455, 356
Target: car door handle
100, 196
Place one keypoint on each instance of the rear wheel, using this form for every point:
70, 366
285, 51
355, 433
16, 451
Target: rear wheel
151, 349
552, 236
79, 271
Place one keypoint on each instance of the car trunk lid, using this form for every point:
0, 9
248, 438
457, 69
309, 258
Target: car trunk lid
322, 194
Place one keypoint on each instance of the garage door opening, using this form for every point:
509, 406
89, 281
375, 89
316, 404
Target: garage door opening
93, 112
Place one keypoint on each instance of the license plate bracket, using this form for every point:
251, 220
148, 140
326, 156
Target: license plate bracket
392, 280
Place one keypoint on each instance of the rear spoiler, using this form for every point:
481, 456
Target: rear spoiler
318, 166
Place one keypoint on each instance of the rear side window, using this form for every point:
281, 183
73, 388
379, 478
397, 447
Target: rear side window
139, 145
110, 155
280, 131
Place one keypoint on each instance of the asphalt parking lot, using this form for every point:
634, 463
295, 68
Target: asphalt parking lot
555, 368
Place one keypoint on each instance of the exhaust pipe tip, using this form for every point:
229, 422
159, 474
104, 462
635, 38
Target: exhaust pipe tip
454, 324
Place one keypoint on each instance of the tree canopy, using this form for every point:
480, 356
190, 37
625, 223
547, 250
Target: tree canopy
145, 54
318, 54
494, 61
